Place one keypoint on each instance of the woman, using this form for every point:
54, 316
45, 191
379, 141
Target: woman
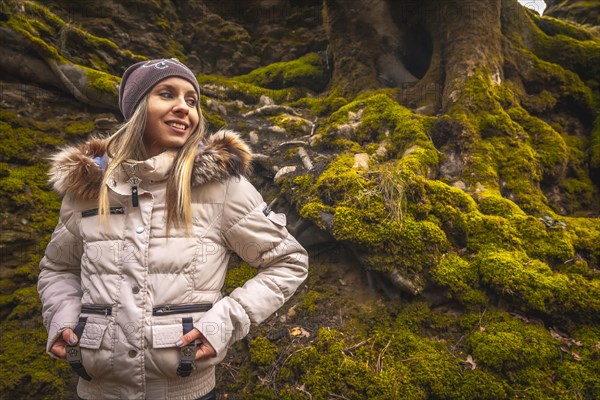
130, 282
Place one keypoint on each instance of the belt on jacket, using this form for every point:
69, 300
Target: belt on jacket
187, 354
74, 352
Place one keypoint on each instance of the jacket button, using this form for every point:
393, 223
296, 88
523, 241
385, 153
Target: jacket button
135, 289
132, 353
139, 229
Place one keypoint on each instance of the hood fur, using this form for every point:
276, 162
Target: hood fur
218, 157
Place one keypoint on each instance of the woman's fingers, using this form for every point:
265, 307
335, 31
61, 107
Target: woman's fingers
69, 337
204, 349
188, 338
58, 347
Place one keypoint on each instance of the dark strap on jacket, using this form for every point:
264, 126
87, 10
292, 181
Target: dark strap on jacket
74, 352
187, 354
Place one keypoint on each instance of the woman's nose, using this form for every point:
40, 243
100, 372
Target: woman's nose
181, 107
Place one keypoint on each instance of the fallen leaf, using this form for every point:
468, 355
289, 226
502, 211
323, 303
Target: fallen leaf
576, 356
482, 329
471, 362
596, 346
298, 331
555, 334
565, 348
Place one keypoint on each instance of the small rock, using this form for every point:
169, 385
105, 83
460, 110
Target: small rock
314, 140
265, 101
346, 131
460, 185
24, 221
361, 161
276, 129
381, 150
428, 109
253, 137
291, 312
342, 282
410, 150
284, 171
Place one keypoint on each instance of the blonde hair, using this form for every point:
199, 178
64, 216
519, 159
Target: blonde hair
127, 143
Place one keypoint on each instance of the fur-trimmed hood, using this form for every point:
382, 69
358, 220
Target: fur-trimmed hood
78, 171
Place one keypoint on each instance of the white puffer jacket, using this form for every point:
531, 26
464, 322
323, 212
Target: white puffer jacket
134, 285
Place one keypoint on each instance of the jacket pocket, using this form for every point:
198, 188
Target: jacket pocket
96, 349
167, 327
277, 218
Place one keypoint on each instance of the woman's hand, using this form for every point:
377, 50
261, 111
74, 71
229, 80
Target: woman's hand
58, 347
203, 350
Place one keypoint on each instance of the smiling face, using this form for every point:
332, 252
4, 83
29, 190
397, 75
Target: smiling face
172, 115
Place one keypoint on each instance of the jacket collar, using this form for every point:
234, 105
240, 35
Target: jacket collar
78, 170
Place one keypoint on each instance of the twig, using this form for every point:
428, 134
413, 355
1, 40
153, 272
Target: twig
380, 357
356, 346
305, 158
229, 369
338, 396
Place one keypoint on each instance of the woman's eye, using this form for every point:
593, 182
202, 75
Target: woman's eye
192, 102
166, 95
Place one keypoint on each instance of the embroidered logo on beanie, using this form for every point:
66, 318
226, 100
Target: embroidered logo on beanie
139, 78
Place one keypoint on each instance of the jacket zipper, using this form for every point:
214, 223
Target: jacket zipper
94, 211
96, 309
181, 309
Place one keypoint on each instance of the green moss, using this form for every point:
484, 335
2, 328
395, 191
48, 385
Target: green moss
262, 352
554, 26
27, 304
534, 284
509, 345
294, 126
550, 245
350, 225
539, 103
580, 56
497, 205
595, 145
585, 237
102, 81
374, 114
309, 300
232, 89
564, 84
340, 181
24, 365
308, 71
460, 277
79, 128
21, 24
214, 120
392, 363
321, 106
236, 277
490, 233
314, 211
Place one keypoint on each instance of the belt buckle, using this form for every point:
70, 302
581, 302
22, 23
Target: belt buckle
187, 358
73, 353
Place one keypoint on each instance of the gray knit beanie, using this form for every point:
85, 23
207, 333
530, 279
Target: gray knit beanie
141, 77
